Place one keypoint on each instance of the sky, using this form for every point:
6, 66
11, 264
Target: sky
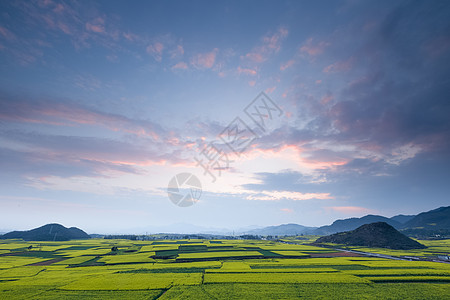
339, 108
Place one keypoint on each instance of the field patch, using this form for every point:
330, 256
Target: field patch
282, 278
219, 269
141, 281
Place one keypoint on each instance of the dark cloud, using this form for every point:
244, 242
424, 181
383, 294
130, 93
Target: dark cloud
38, 140
22, 166
394, 96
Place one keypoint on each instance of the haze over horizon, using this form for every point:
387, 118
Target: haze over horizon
103, 102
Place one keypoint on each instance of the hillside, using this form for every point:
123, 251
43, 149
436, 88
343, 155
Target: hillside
49, 232
425, 224
353, 223
402, 219
379, 235
434, 219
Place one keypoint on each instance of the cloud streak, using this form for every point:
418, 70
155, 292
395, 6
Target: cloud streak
270, 44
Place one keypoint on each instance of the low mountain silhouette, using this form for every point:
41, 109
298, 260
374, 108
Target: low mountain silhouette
353, 223
402, 219
434, 219
49, 232
284, 229
429, 223
379, 234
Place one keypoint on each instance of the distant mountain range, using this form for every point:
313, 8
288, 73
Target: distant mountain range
285, 229
437, 219
435, 222
353, 223
434, 219
402, 219
49, 232
379, 234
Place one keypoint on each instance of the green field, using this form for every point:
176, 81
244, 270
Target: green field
216, 269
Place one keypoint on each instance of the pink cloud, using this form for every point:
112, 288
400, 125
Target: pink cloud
205, 60
156, 50
349, 209
327, 98
340, 66
180, 66
177, 52
246, 71
64, 28
255, 57
270, 44
287, 65
252, 83
131, 36
313, 48
287, 195
274, 41
298, 156
287, 210
270, 90
7, 34
97, 25
59, 8
61, 114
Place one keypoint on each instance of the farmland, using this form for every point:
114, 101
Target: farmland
217, 269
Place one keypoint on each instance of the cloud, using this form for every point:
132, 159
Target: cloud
34, 163
70, 114
155, 50
177, 52
287, 65
274, 41
350, 209
314, 48
270, 90
7, 34
288, 195
326, 99
131, 36
180, 66
270, 45
287, 210
82, 25
97, 25
340, 66
390, 108
204, 60
246, 71
27, 155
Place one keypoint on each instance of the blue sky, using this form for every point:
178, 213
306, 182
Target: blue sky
102, 103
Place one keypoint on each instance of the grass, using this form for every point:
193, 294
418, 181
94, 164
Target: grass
219, 255
282, 278
217, 269
309, 291
134, 281
130, 258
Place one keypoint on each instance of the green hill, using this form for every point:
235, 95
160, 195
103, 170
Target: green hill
379, 235
49, 232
